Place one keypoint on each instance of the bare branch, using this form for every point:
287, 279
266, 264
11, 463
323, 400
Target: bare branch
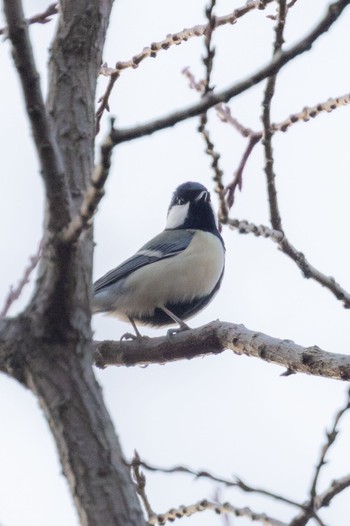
234, 483
308, 270
244, 227
51, 164
214, 338
208, 60
311, 112
218, 173
333, 13
291, 3
266, 119
140, 482
15, 292
335, 488
41, 18
316, 502
225, 115
204, 88
187, 511
238, 175
174, 39
331, 436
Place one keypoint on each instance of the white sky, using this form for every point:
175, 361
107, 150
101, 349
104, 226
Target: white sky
227, 414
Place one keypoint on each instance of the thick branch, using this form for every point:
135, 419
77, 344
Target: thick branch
51, 163
215, 338
277, 63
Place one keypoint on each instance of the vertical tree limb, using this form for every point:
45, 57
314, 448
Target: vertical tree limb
50, 160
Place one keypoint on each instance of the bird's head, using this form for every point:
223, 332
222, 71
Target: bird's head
190, 208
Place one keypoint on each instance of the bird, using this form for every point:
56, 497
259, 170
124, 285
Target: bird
173, 276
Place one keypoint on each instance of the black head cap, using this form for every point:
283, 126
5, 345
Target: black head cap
198, 214
188, 192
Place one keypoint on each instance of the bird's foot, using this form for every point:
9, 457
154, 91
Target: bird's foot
129, 336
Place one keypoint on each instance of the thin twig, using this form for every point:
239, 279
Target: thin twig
238, 175
235, 483
225, 115
277, 63
187, 511
318, 501
311, 112
218, 173
275, 216
331, 437
336, 487
140, 483
245, 227
41, 18
208, 59
204, 89
308, 270
15, 292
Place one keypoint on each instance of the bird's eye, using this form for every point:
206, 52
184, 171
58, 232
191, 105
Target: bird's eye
180, 200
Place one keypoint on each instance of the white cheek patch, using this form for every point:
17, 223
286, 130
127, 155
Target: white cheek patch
177, 215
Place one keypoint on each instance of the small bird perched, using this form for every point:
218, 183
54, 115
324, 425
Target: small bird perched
173, 276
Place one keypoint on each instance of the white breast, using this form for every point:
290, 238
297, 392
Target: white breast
193, 273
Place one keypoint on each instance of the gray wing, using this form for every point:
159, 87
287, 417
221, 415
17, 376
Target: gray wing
167, 244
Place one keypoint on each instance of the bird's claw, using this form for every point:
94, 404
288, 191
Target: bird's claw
129, 336
173, 332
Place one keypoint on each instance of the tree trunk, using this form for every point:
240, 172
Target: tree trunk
49, 347
62, 378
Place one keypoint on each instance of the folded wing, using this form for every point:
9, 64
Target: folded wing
160, 247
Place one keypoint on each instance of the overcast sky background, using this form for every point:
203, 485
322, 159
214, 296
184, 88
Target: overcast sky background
227, 414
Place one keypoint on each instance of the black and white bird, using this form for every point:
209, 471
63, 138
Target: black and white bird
173, 276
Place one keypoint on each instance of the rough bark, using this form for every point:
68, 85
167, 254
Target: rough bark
218, 336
